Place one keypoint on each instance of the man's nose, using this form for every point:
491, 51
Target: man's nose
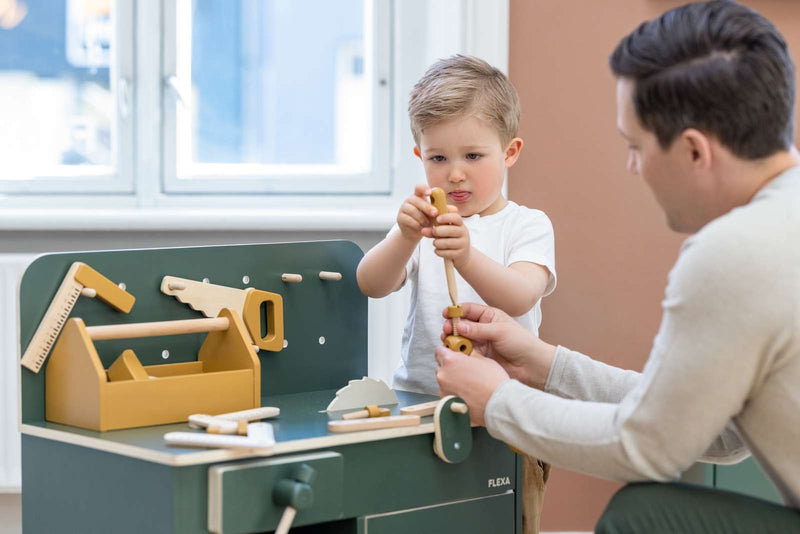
633, 163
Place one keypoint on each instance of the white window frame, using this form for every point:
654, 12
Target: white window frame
421, 31
277, 179
99, 178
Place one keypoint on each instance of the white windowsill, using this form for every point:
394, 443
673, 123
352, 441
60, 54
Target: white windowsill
196, 219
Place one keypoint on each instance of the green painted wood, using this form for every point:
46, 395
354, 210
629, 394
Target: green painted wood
312, 309
748, 478
246, 492
455, 433
489, 514
70, 488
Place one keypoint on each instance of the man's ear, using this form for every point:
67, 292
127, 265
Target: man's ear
416, 152
512, 151
698, 148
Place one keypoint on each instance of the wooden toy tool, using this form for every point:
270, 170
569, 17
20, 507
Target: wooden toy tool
259, 436
454, 311
209, 299
354, 425
428, 408
369, 411
80, 279
233, 422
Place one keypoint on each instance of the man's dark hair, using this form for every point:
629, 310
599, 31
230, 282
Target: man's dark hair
716, 66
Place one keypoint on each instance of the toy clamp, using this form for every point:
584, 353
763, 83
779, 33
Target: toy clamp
452, 441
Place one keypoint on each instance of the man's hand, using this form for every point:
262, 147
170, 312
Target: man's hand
415, 213
451, 237
473, 378
522, 355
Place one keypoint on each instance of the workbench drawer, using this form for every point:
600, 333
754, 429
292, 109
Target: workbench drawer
242, 496
493, 514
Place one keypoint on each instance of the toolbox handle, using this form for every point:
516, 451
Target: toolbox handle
160, 328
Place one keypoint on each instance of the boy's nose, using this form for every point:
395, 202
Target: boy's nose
456, 175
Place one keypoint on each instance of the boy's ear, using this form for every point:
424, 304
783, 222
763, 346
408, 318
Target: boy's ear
416, 152
512, 151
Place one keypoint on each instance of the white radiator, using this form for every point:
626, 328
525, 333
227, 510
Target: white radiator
11, 268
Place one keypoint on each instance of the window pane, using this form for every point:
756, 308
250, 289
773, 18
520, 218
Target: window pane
273, 82
55, 98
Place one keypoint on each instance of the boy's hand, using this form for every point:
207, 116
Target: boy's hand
451, 237
415, 214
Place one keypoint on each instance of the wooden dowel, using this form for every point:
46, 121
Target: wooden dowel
88, 292
328, 275
162, 328
290, 277
458, 407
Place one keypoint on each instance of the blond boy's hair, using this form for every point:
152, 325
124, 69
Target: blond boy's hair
460, 86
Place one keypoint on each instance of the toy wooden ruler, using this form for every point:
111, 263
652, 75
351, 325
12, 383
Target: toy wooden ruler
78, 277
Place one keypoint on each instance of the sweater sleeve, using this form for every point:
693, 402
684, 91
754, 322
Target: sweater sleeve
624, 426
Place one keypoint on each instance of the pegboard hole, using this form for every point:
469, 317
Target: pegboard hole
122, 286
321, 340
245, 279
206, 281
285, 343
165, 354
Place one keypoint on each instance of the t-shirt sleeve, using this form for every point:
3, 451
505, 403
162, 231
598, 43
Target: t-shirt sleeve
532, 240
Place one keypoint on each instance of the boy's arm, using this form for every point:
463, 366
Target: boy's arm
514, 289
383, 269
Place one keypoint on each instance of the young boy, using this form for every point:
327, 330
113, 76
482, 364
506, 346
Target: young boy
464, 118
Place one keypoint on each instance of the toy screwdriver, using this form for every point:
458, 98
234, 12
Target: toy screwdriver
454, 311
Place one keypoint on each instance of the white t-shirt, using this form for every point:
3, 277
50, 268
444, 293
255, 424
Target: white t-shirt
513, 234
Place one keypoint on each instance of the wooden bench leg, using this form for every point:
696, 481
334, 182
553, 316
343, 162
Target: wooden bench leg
534, 477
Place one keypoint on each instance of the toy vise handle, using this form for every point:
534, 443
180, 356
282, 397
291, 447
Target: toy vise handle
161, 328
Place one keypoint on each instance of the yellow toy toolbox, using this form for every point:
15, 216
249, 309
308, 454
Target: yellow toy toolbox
225, 377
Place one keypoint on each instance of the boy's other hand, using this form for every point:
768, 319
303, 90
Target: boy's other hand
451, 237
416, 213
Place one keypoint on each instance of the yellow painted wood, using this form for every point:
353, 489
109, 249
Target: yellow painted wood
107, 291
251, 314
459, 344
74, 379
226, 378
127, 367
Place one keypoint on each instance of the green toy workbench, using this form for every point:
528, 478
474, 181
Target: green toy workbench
76, 479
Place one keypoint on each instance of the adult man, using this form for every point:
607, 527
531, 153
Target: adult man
705, 99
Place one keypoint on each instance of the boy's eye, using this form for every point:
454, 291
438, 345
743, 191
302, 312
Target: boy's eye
473, 155
437, 158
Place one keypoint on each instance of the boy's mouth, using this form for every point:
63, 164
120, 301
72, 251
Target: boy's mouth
459, 196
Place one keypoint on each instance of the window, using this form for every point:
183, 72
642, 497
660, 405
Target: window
64, 96
219, 114
264, 98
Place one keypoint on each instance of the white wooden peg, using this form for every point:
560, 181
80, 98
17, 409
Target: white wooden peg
88, 292
458, 407
290, 277
176, 286
328, 275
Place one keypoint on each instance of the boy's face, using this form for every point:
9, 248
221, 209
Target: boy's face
465, 158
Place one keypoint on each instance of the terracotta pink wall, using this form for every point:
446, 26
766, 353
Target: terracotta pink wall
613, 249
